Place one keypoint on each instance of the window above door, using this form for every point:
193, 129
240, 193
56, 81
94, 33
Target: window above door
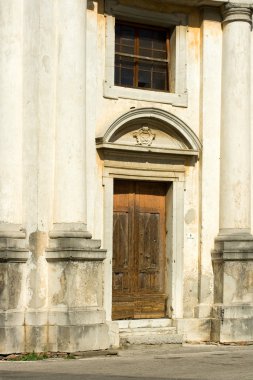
145, 55
142, 57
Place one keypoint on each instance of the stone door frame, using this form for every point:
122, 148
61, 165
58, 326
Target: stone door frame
164, 160
174, 238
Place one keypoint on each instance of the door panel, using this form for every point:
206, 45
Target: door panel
148, 240
139, 250
121, 233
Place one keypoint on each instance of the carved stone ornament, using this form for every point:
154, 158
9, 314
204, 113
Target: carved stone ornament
144, 136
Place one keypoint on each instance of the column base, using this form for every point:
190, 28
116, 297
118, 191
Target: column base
233, 288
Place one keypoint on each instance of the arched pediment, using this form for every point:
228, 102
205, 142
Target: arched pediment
152, 129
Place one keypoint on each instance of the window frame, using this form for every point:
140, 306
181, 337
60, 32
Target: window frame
114, 11
137, 57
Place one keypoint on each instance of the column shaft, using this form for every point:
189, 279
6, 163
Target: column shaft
235, 123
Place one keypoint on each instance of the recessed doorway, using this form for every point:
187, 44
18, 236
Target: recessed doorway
139, 259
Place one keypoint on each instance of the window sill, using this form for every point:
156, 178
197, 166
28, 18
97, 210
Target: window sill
116, 92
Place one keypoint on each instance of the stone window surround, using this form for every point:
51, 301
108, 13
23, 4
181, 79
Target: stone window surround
180, 97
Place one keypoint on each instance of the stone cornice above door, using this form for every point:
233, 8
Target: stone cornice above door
150, 131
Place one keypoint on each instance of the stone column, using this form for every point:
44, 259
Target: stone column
235, 122
233, 257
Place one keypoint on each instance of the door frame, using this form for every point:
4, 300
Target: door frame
174, 228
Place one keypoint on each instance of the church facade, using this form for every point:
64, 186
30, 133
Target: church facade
125, 173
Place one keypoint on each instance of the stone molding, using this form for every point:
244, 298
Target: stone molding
167, 118
235, 12
69, 230
133, 151
76, 255
13, 243
72, 242
138, 14
14, 255
234, 247
11, 230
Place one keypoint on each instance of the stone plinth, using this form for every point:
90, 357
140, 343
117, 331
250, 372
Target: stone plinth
232, 323
72, 318
233, 289
76, 316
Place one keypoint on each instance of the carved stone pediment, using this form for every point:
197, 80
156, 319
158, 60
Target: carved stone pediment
149, 135
150, 130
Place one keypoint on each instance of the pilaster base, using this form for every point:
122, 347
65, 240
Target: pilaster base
53, 330
232, 324
233, 288
69, 269
76, 318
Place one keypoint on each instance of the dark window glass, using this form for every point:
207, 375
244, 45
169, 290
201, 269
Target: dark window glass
141, 57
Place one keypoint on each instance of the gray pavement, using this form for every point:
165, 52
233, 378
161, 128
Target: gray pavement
150, 363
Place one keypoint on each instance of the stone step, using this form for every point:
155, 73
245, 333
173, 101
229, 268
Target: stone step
147, 331
154, 339
144, 323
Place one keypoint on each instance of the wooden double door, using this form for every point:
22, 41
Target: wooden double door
139, 250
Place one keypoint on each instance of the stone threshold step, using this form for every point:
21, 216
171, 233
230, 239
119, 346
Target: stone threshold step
145, 323
152, 339
148, 330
